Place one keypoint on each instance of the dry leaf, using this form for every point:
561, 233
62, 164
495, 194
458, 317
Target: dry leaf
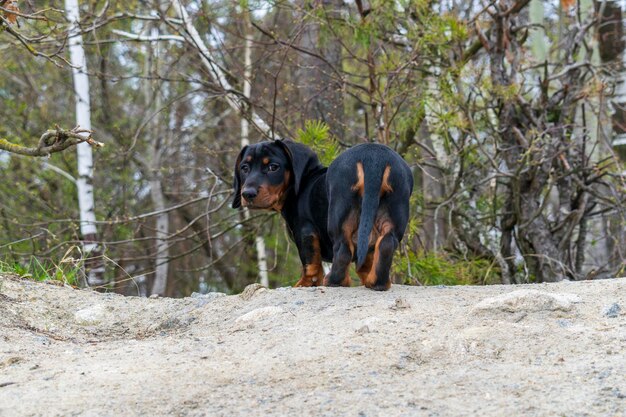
12, 6
567, 4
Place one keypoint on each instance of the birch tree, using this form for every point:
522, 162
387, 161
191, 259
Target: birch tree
239, 102
157, 148
611, 45
94, 265
245, 137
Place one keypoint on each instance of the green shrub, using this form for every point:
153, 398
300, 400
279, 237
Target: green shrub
316, 136
442, 269
66, 272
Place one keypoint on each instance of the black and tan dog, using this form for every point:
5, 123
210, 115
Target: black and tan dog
355, 210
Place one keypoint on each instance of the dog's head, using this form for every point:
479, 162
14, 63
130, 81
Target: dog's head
266, 172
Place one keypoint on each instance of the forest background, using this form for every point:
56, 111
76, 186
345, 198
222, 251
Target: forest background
121, 122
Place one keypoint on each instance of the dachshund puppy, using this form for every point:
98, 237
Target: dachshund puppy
356, 210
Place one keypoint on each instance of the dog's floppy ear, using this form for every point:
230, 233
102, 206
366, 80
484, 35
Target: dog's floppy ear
303, 160
237, 180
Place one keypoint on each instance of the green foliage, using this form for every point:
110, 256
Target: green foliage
441, 269
66, 272
282, 256
316, 135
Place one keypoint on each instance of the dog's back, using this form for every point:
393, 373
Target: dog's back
368, 187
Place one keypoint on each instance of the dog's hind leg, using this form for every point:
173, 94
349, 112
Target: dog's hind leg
378, 278
342, 223
340, 272
364, 271
390, 229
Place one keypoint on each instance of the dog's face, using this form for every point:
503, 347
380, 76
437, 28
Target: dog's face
263, 174
266, 172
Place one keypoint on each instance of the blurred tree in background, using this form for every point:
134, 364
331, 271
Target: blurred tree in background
510, 114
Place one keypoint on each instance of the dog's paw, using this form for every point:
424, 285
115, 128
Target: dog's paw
309, 282
380, 287
329, 282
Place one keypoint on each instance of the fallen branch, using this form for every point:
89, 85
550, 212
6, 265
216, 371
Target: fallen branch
53, 141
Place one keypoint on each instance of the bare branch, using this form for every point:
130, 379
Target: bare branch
233, 98
52, 141
144, 38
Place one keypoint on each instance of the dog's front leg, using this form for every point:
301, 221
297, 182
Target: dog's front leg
311, 257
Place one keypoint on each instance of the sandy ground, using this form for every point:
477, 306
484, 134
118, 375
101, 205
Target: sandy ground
532, 350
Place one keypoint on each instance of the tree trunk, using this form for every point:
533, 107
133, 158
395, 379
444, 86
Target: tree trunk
433, 187
161, 258
538, 41
156, 150
235, 101
611, 45
94, 265
245, 140
538, 246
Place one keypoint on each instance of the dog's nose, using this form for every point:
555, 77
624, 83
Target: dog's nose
249, 194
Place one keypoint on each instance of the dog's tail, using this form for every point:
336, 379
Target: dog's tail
369, 207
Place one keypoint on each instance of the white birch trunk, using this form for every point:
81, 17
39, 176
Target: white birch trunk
84, 183
619, 100
162, 228
432, 179
235, 102
157, 147
612, 51
245, 140
538, 41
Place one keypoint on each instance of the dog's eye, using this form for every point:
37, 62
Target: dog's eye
273, 167
245, 169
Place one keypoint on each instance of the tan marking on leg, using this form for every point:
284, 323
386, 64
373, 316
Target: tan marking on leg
364, 271
385, 187
360, 183
313, 273
384, 227
349, 228
346, 279
349, 234
371, 277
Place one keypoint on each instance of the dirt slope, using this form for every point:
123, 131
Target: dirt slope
533, 350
